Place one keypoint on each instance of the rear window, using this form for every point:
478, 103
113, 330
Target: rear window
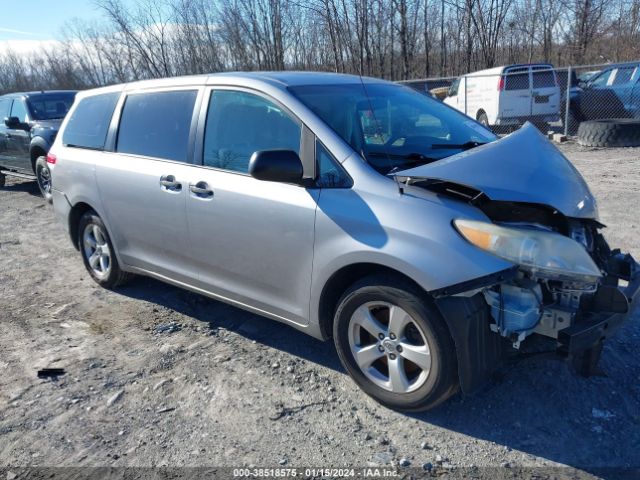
49, 106
89, 123
157, 124
516, 80
543, 78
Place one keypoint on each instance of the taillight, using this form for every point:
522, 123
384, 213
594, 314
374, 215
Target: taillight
501, 84
51, 158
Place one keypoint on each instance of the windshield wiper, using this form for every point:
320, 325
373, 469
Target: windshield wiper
462, 146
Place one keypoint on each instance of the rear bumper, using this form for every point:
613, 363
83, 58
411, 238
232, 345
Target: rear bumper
61, 208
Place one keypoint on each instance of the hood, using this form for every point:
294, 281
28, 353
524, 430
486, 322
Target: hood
53, 124
521, 167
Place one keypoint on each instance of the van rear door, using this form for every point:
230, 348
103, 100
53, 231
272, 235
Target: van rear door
545, 98
515, 94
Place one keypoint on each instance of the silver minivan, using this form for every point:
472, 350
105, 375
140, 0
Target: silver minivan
346, 207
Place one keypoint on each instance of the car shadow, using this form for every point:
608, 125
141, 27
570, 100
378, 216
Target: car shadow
537, 407
15, 184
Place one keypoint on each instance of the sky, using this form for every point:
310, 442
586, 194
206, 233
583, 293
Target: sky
26, 25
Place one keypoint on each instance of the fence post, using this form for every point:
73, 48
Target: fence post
567, 95
465, 95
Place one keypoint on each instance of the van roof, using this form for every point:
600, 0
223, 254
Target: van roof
498, 70
281, 80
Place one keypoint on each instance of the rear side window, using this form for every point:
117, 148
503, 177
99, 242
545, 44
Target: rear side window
89, 123
623, 75
543, 78
516, 80
157, 124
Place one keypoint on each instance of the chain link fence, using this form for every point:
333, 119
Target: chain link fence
554, 99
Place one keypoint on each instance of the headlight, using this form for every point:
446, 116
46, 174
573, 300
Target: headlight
546, 254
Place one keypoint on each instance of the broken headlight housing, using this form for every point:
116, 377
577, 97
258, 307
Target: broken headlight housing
544, 254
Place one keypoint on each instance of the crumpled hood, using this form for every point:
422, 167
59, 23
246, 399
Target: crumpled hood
521, 167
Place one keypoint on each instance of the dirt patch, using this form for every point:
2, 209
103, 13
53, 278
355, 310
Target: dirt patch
227, 388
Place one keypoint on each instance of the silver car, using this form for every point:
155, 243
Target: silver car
346, 207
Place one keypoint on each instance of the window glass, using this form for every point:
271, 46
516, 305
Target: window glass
18, 109
330, 174
239, 124
453, 89
5, 105
543, 78
516, 79
601, 80
623, 75
392, 126
89, 123
157, 124
46, 106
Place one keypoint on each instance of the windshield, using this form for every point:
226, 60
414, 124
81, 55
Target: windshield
392, 126
49, 106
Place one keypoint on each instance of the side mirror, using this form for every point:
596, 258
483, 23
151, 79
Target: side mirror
282, 166
12, 122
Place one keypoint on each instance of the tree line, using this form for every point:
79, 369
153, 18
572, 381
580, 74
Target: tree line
393, 39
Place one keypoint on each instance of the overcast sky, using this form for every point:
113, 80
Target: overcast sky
26, 24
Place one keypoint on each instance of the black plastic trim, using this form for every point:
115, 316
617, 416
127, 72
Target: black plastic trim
485, 281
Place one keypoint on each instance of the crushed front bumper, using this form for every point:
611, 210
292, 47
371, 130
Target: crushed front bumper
599, 319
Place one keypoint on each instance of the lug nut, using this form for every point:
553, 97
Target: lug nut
392, 356
381, 336
399, 348
392, 336
381, 348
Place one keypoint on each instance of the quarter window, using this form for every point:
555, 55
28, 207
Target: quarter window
239, 124
330, 173
88, 124
157, 124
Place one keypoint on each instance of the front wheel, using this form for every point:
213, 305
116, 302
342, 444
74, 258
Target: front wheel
43, 177
395, 345
97, 252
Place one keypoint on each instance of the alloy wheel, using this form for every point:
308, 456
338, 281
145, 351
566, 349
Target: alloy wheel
96, 250
389, 347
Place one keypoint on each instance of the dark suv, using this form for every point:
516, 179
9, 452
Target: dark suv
29, 123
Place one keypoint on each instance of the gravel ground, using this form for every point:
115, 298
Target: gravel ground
226, 388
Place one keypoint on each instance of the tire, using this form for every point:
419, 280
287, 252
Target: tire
93, 238
483, 119
43, 177
418, 386
616, 132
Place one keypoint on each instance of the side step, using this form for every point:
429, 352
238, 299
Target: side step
19, 175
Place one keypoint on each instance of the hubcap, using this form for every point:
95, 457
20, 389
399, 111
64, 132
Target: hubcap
44, 177
96, 250
389, 347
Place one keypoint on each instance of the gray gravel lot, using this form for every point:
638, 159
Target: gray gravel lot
228, 388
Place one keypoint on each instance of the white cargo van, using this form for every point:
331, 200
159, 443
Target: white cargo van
508, 95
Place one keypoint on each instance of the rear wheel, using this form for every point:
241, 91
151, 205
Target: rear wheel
43, 177
97, 252
395, 345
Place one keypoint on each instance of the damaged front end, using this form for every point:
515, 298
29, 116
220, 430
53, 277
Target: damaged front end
566, 284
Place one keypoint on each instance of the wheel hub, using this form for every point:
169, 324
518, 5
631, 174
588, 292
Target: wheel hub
389, 345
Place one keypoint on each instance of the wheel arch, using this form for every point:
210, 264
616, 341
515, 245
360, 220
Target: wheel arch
75, 214
338, 283
38, 148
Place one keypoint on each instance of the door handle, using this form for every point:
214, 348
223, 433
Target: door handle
169, 182
201, 189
